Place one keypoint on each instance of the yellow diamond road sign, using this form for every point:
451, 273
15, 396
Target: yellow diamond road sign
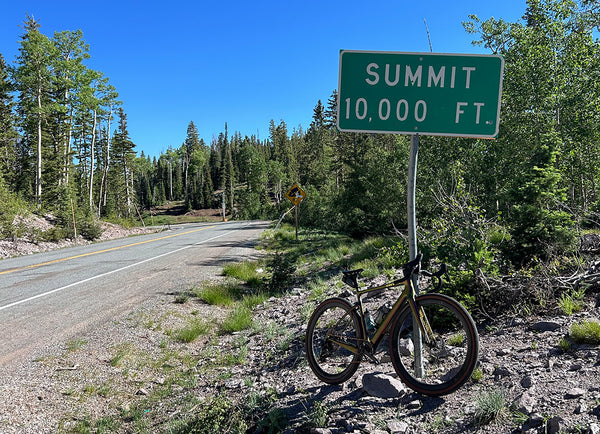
295, 194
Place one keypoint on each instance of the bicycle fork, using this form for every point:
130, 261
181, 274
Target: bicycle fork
421, 320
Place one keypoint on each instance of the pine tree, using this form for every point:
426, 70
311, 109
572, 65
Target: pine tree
34, 85
190, 149
538, 227
8, 132
121, 179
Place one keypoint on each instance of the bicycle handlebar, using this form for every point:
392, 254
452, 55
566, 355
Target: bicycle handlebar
414, 266
409, 269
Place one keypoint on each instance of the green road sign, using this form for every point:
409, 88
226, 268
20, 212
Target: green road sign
420, 93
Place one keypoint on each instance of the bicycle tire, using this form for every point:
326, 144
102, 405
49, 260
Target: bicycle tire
449, 360
331, 363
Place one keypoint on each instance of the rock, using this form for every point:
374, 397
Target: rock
526, 382
383, 386
575, 392
581, 408
396, 426
406, 347
545, 326
503, 352
501, 372
594, 428
525, 403
414, 405
553, 425
535, 420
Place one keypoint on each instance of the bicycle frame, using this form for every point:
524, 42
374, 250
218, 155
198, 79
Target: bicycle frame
407, 295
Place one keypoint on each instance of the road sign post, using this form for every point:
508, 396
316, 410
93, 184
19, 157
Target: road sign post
295, 194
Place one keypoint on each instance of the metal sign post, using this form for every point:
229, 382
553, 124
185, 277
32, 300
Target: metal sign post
295, 195
412, 243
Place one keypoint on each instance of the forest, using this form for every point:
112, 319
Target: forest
526, 196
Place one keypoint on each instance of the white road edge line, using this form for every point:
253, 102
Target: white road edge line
44, 294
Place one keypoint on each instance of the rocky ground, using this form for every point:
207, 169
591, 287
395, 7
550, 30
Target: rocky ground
133, 375
30, 242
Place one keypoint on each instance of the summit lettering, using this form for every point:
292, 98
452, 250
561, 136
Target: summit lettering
415, 76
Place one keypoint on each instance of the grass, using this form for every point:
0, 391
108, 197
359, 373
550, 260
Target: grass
456, 340
195, 328
565, 344
477, 375
572, 303
248, 272
318, 290
317, 416
239, 318
75, 344
220, 294
586, 332
490, 406
253, 300
123, 351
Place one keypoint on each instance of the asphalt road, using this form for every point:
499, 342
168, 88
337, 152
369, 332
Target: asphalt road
48, 298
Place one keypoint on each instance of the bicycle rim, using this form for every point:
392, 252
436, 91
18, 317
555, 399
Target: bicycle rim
333, 324
451, 355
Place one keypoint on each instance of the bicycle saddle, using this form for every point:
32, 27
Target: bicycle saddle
350, 277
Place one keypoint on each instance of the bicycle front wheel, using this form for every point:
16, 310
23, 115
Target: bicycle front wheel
332, 341
448, 357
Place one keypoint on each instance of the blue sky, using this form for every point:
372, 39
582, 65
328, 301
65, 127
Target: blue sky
239, 62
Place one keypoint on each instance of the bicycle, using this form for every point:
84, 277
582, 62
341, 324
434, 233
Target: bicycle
338, 335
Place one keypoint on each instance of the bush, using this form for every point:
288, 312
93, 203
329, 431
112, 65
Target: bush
586, 332
90, 229
489, 406
282, 268
11, 206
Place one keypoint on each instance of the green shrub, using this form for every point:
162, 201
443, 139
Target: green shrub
282, 268
318, 415
586, 332
539, 228
477, 375
90, 229
489, 406
11, 206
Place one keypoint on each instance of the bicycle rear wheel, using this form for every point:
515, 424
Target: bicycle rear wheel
450, 356
334, 323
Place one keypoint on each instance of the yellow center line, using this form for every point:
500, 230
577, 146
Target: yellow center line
102, 251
